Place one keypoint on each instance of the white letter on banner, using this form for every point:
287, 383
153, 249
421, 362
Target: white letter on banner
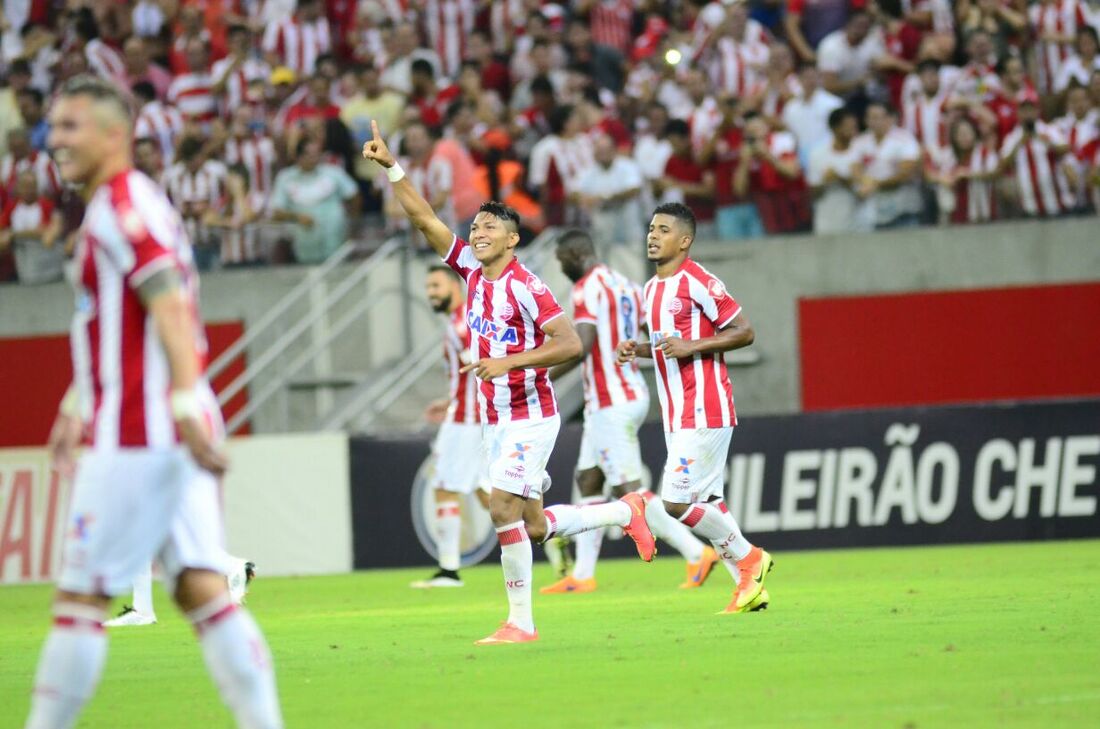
756, 519
855, 474
796, 488
1028, 476
898, 489
944, 456
987, 507
1075, 474
826, 490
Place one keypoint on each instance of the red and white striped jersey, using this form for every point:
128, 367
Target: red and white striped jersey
737, 66
257, 154
448, 22
568, 158
703, 122
237, 81
193, 94
1060, 17
1079, 133
162, 123
507, 316
507, 21
462, 386
925, 119
695, 392
298, 44
975, 201
196, 193
105, 61
612, 303
130, 232
20, 216
612, 23
1044, 189
772, 99
44, 171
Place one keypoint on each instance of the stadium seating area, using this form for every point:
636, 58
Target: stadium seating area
767, 117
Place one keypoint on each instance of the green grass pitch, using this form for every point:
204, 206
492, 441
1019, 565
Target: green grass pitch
1000, 635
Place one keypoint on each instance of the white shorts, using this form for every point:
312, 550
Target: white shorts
458, 466
516, 454
610, 442
133, 505
696, 466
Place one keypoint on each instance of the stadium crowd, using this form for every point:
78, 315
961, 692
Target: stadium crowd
765, 116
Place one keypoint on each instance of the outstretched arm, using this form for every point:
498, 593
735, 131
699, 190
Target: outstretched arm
420, 213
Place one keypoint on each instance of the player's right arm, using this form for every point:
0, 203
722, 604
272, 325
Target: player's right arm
65, 433
420, 212
587, 333
630, 349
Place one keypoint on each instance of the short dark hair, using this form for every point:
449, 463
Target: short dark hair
504, 212
681, 212
146, 140
578, 241
188, 148
837, 117
678, 127
559, 117
33, 93
99, 90
541, 85
886, 106
444, 268
236, 29
422, 65
928, 64
144, 91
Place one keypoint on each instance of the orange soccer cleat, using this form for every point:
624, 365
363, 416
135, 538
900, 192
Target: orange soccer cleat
508, 633
569, 584
697, 572
754, 568
637, 529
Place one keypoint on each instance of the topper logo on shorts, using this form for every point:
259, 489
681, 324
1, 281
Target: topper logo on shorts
490, 330
521, 449
683, 467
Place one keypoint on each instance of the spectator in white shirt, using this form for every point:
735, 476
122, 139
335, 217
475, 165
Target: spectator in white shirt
1079, 67
847, 57
831, 176
1080, 127
807, 115
610, 191
891, 164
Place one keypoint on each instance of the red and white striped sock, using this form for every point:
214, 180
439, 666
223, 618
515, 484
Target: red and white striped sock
563, 520
516, 560
448, 531
712, 521
239, 661
588, 545
70, 665
670, 530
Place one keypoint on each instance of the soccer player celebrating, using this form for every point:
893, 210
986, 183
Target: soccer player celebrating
692, 322
607, 308
146, 484
518, 332
457, 470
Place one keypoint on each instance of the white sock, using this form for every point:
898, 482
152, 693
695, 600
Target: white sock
667, 529
588, 545
239, 661
448, 530
70, 666
563, 520
516, 559
143, 592
713, 522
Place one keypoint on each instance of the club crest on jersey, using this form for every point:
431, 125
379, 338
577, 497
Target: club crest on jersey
487, 329
675, 306
716, 288
536, 286
506, 311
131, 224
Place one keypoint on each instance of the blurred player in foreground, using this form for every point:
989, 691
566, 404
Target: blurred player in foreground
693, 322
520, 332
607, 308
145, 486
457, 447
140, 611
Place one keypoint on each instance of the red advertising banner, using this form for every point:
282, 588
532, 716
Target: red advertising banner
34, 372
950, 347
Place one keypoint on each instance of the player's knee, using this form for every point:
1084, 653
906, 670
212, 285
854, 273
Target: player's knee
675, 510
442, 495
589, 482
195, 588
627, 488
536, 529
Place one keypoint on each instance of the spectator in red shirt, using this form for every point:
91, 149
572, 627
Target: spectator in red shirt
431, 100
685, 180
315, 106
769, 171
735, 216
494, 74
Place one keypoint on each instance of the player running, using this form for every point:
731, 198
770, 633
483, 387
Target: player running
456, 447
519, 331
606, 310
692, 322
145, 485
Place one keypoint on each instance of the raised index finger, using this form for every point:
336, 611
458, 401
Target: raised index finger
374, 130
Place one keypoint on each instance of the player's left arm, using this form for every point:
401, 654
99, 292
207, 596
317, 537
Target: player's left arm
587, 333
562, 344
735, 335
